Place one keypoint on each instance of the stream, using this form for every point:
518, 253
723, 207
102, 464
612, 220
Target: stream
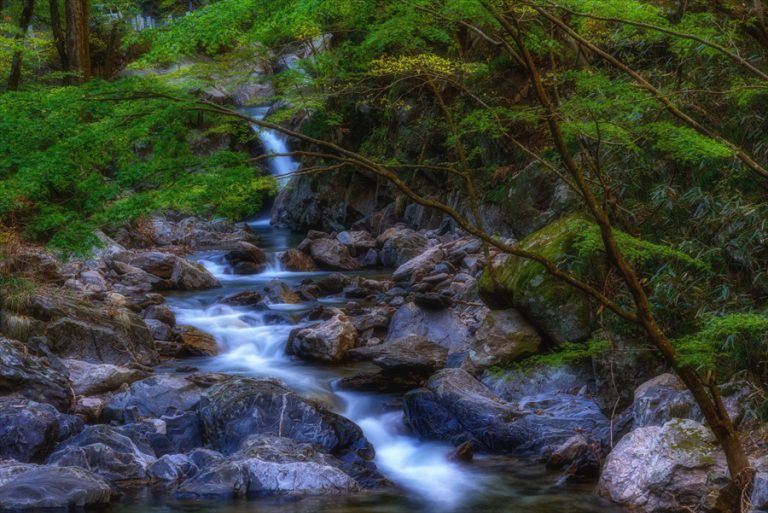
252, 343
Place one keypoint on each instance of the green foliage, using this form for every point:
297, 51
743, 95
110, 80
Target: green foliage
568, 353
729, 343
74, 159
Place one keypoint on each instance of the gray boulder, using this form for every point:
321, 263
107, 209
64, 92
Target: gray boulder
399, 245
105, 451
238, 408
30, 430
35, 378
154, 396
38, 487
93, 378
503, 338
444, 327
674, 467
420, 265
192, 276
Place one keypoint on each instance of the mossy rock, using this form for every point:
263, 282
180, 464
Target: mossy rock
573, 242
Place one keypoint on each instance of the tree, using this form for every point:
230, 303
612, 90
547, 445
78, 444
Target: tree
78, 34
59, 38
25, 19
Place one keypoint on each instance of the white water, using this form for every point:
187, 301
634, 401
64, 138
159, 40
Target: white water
274, 144
253, 343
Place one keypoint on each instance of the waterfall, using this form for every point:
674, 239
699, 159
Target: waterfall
274, 143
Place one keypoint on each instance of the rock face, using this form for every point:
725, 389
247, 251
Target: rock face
105, 451
664, 468
333, 255
37, 487
503, 338
91, 379
34, 378
125, 341
443, 327
328, 341
455, 407
29, 430
238, 408
189, 232
195, 342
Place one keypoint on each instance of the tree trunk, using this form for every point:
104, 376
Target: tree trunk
14, 79
59, 38
78, 48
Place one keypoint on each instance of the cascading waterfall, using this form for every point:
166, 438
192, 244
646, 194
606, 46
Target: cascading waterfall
274, 144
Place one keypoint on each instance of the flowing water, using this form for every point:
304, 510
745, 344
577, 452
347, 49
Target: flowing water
253, 343
274, 144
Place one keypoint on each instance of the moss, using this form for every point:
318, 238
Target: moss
573, 242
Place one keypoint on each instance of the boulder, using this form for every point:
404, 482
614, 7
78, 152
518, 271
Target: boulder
154, 396
238, 408
161, 312
358, 241
454, 406
280, 293
503, 338
37, 487
443, 327
673, 467
105, 451
195, 342
245, 298
172, 467
269, 465
421, 264
29, 430
246, 259
189, 232
760, 492
160, 330
398, 246
328, 341
408, 355
35, 378
192, 276
92, 378
124, 340
159, 264
333, 255
297, 261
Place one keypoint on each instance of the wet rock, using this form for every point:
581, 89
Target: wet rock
503, 338
29, 430
192, 276
195, 342
759, 497
456, 407
400, 245
37, 487
333, 255
673, 467
105, 451
31, 377
370, 258
333, 283
91, 379
172, 467
154, 396
463, 453
246, 259
126, 340
298, 261
238, 408
90, 408
326, 342
269, 465
408, 355
278, 292
420, 264
245, 298
443, 327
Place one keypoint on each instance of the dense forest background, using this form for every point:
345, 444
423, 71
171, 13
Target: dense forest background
112, 111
